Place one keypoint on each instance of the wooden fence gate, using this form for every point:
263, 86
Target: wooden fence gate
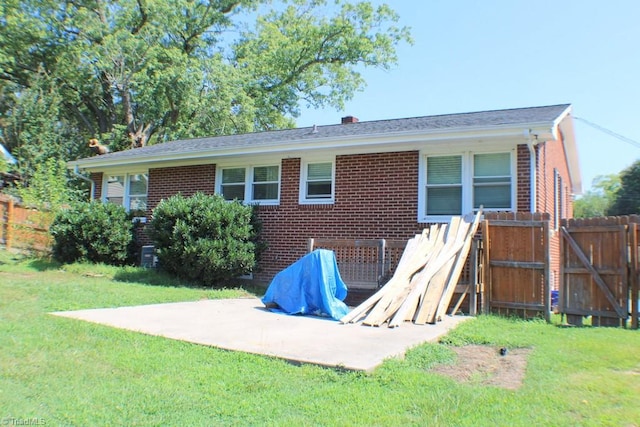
599, 270
516, 255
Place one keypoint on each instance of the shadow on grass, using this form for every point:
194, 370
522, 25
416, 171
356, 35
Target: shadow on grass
159, 278
150, 277
43, 264
31, 260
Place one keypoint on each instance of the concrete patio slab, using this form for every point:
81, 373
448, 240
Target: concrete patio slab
245, 325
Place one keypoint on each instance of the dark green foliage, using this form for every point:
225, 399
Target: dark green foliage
204, 239
132, 73
627, 198
599, 199
95, 232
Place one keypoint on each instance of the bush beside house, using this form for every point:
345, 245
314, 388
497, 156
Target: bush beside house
204, 238
94, 232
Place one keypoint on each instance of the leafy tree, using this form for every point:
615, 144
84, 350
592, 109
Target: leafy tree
134, 72
627, 200
597, 201
4, 165
47, 188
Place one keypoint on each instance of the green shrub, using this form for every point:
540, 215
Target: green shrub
95, 232
203, 238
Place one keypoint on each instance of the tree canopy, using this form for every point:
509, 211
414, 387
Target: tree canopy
597, 201
627, 199
137, 72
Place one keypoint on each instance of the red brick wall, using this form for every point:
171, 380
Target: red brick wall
376, 197
187, 180
524, 179
369, 205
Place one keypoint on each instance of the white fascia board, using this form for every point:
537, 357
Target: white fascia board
560, 119
398, 141
571, 153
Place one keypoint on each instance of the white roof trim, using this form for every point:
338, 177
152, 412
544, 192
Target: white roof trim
398, 141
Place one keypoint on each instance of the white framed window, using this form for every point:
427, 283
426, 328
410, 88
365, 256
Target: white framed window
265, 183
459, 183
492, 181
250, 184
317, 182
233, 184
444, 185
128, 190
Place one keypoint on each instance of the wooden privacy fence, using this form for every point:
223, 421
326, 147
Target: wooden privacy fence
599, 270
516, 264
22, 227
597, 260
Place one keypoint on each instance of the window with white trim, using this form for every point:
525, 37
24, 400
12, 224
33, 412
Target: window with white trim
457, 184
233, 183
128, 190
250, 184
444, 185
317, 182
492, 181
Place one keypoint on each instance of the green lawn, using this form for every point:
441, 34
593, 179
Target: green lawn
68, 372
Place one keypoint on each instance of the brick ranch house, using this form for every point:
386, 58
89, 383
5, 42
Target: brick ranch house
360, 180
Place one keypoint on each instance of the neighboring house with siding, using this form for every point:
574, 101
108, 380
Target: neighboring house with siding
360, 180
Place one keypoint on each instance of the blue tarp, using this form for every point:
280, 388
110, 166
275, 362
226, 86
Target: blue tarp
311, 285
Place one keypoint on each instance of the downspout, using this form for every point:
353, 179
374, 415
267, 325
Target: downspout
76, 172
531, 139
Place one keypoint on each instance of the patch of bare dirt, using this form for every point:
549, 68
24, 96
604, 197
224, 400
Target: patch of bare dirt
485, 365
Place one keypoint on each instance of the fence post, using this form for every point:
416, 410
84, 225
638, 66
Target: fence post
634, 273
473, 278
547, 272
486, 270
9, 234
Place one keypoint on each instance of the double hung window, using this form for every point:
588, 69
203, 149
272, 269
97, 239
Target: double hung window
128, 190
252, 184
456, 184
317, 182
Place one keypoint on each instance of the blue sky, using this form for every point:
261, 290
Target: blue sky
483, 55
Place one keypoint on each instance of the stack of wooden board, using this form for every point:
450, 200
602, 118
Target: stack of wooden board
425, 278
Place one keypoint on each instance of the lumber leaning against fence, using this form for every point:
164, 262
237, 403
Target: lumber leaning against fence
408, 264
434, 290
458, 266
425, 278
421, 282
407, 300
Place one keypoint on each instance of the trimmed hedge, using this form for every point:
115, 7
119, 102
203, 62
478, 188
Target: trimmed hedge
95, 232
204, 239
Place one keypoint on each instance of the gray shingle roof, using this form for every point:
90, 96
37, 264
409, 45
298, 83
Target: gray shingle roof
447, 122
